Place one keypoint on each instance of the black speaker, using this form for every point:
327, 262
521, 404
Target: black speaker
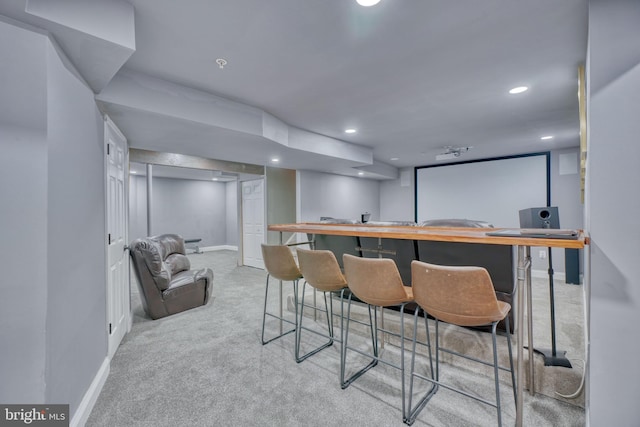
539, 218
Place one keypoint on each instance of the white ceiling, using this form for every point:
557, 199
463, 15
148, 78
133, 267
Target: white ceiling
413, 76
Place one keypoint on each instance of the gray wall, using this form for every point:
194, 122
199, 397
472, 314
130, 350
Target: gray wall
280, 200
397, 198
137, 206
231, 189
323, 194
76, 309
53, 314
23, 186
190, 208
613, 208
23, 307
565, 189
565, 194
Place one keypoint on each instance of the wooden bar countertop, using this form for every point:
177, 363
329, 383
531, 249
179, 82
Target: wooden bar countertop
441, 234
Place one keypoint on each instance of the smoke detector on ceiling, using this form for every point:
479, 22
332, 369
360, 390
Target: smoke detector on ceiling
452, 152
221, 62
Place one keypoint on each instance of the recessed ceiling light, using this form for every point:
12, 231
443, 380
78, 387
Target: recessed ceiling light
214, 179
546, 137
350, 130
133, 172
394, 158
367, 3
518, 89
275, 160
360, 173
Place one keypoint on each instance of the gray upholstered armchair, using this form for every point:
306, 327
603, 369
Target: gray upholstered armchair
166, 283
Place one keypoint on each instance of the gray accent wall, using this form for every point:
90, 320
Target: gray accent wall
280, 200
565, 194
190, 208
231, 190
397, 197
324, 194
53, 314
23, 186
137, 207
613, 209
565, 187
76, 303
24, 305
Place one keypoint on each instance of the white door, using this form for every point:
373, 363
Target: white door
252, 222
118, 309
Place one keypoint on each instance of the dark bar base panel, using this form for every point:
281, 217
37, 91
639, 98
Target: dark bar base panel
497, 259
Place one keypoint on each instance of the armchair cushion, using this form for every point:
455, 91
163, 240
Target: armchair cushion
177, 263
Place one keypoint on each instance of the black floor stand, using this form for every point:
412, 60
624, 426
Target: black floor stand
553, 357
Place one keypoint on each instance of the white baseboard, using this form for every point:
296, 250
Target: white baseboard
90, 398
218, 248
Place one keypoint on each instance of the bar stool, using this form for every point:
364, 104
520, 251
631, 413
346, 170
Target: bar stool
462, 296
280, 264
321, 271
376, 282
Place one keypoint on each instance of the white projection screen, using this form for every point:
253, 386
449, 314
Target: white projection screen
492, 190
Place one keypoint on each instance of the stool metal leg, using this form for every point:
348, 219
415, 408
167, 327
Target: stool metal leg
495, 370
300, 358
344, 383
513, 374
412, 413
375, 343
404, 406
265, 314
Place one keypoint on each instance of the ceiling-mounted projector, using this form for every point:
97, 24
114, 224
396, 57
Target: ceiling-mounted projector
447, 156
452, 153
